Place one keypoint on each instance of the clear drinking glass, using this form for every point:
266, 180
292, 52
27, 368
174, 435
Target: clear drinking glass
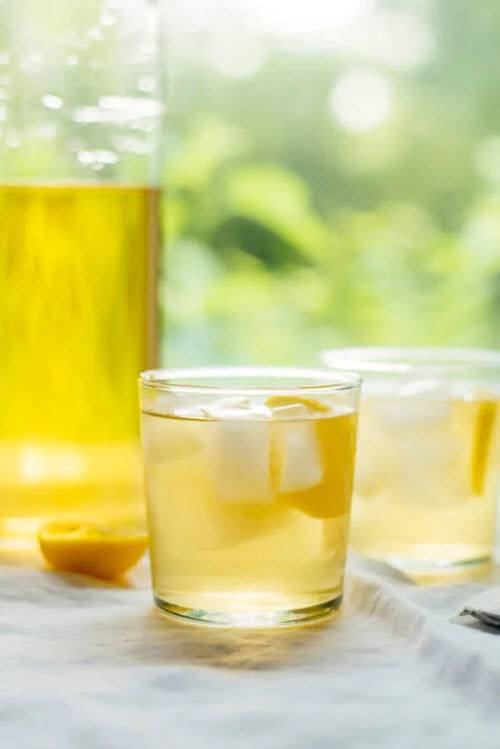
248, 478
80, 114
428, 466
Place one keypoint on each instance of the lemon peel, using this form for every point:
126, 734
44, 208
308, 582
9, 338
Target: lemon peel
92, 548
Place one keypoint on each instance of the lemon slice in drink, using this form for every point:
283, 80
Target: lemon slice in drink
483, 437
91, 548
312, 405
318, 454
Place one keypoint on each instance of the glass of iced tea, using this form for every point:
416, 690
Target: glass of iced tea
248, 475
428, 467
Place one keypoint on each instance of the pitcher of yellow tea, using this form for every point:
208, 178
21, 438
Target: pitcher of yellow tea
80, 116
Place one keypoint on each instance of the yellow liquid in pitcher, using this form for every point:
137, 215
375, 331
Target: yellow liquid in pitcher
76, 326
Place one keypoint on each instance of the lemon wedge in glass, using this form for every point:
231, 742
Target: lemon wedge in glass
92, 548
483, 437
312, 405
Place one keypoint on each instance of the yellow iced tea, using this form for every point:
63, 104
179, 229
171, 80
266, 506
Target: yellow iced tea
427, 479
249, 513
77, 317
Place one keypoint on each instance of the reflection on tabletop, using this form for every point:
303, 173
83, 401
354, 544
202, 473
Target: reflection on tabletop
243, 649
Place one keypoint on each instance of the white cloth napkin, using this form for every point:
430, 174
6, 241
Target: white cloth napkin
92, 666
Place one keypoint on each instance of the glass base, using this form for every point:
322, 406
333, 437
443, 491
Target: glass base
251, 618
441, 571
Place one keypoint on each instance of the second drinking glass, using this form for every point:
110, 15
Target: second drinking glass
429, 457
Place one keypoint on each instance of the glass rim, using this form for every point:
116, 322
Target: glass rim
170, 380
406, 359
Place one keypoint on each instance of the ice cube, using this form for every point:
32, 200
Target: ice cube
259, 411
299, 456
431, 389
163, 404
189, 412
174, 405
292, 411
297, 447
411, 408
239, 453
227, 406
236, 407
184, 510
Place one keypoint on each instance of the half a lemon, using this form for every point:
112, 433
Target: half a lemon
92, 548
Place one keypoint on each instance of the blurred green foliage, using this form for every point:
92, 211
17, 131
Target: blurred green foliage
288, 233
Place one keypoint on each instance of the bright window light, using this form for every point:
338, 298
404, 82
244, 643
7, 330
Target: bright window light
361, 100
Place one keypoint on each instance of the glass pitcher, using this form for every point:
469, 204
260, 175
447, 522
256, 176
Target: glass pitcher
80, 119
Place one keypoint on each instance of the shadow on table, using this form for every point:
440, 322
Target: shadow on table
165, 640
252, 649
